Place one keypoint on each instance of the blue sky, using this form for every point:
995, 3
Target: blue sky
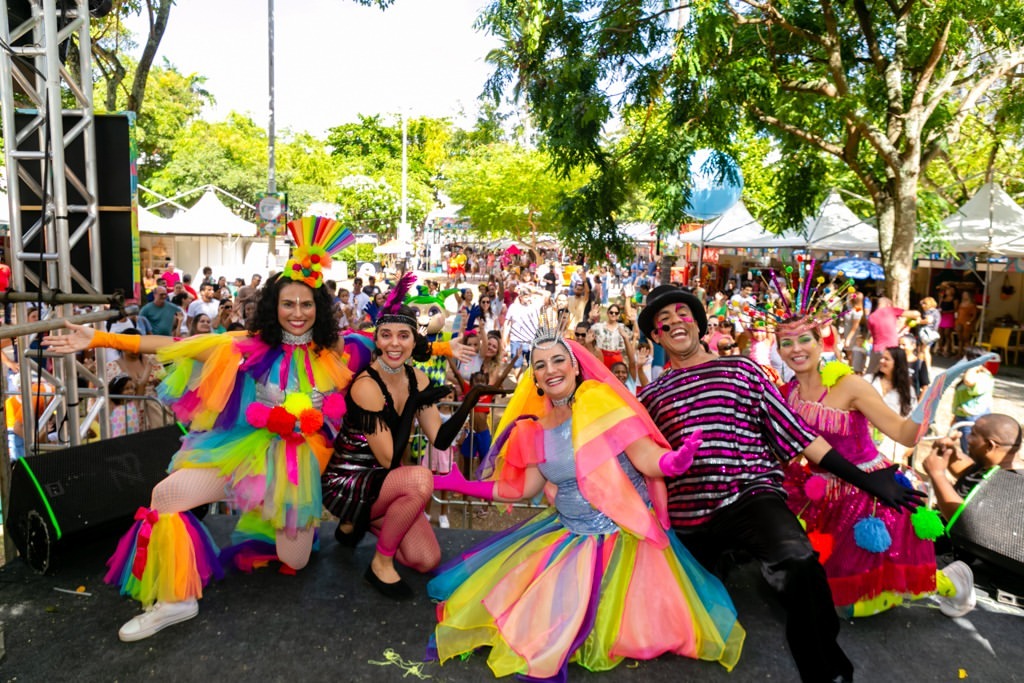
334, 59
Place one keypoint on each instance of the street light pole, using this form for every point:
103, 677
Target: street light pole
271, 169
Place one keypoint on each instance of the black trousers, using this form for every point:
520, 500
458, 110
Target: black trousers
764, 527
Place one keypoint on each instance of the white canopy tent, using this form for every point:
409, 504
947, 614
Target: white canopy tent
5, 209
737, 228
991, 224
988, 219
208, 234
837, 228
152, 223
208, 217
1013, 248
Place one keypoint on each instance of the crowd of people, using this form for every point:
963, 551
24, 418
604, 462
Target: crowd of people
666, 426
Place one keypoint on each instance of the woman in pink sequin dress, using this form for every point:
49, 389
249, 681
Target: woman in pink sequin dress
870, 567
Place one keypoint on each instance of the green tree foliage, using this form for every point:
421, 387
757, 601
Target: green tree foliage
375, 205
110, 43
872, 89
506, 190
232, 154
175, 100
368, 153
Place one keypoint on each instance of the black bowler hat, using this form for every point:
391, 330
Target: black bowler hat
662, 296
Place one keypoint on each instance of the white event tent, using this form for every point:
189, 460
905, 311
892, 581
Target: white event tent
837, 228
209, 217
737, 228
208, 234
987, 220
991, 224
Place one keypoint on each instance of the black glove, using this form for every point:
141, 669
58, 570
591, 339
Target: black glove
881, 484
450, 429
432, 395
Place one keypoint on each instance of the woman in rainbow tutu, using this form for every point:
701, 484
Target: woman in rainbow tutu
595, 578
258, 404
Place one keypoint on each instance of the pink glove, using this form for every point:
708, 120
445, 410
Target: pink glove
454, 481
674, 463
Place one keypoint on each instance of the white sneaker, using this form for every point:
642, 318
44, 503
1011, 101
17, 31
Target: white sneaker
442, 521
156, 617
963, 602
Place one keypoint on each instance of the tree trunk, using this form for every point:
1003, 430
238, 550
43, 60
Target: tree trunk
157, 26
901, 253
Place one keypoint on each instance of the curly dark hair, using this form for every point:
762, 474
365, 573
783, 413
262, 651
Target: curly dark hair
421, 349
265, 325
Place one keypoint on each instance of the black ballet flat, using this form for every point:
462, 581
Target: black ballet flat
399, 590
348, 540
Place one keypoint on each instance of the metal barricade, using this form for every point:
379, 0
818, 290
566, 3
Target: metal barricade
472, 441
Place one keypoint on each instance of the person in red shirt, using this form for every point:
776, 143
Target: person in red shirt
885, 324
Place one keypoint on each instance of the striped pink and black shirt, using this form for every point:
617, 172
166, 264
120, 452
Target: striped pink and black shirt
748, 428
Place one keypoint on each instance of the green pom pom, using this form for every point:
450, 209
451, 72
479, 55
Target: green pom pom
833, 371
927, 524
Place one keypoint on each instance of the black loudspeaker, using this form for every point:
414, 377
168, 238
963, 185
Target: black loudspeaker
61, 497
991, 526
119, 244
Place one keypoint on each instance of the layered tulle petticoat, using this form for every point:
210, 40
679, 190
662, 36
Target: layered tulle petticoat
164, 557
263, 471
541, 597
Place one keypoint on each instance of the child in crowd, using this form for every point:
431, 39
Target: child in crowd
972, 397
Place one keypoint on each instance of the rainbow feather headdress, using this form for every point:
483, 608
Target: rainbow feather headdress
317, 240
803, 300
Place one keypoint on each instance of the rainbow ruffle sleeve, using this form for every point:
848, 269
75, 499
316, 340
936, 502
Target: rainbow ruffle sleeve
202, 386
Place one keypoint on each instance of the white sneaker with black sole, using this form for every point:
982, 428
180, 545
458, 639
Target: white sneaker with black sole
963, 579
157, 617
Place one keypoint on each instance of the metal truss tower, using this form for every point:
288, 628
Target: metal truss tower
55, 109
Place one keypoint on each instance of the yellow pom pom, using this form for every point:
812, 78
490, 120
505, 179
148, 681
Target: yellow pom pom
296, 403
852, 290
833, 371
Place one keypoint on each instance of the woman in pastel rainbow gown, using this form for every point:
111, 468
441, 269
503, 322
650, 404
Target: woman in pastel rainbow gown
875, 557
595, 578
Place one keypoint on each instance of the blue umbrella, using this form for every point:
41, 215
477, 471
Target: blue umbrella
857, 268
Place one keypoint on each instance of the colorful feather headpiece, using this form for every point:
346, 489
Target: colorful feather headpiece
390, 312
317, 240
803, 300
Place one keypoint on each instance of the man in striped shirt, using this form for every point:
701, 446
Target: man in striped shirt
732, 495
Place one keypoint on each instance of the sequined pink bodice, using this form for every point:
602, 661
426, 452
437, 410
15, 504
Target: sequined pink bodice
847, 431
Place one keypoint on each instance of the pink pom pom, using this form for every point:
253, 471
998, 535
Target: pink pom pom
815, 488
256, 414
334, 407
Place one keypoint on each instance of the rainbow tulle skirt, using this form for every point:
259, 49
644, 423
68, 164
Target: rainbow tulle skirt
164, 557
541, 597
262, 471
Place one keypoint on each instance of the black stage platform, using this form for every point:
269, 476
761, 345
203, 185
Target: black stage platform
326, 624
